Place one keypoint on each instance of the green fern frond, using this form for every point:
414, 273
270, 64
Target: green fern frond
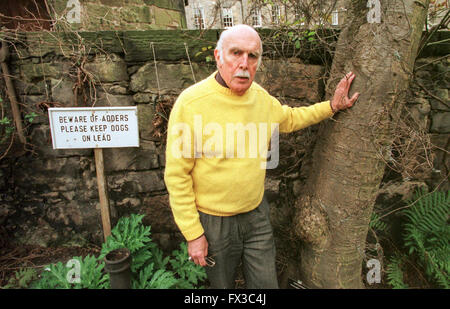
427, 233
395, 273
376, 223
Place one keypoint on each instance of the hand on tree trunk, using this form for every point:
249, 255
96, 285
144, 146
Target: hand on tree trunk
340, 98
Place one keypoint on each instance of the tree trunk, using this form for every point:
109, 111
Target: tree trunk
347, 164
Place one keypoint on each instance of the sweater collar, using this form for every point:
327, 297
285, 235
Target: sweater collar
215, 81
220, 80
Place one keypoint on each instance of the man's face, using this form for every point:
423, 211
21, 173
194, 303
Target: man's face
241, 51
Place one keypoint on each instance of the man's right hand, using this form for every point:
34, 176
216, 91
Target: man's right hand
198, 250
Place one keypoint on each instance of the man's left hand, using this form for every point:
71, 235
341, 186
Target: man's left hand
340, 99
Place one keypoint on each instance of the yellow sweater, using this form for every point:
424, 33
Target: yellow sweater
217, 146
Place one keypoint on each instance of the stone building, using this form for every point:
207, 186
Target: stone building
216, 14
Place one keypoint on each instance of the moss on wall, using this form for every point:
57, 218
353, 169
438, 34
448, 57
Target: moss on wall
121, 14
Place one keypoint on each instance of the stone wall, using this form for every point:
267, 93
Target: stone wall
430, 107
49, 197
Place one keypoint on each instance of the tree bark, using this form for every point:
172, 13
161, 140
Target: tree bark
348, 161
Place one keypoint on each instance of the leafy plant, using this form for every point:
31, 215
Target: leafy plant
150, 279
427, 236
21, 279
395, 273
30, 117
8, 129
56, 276
376, 223
148, 259
130, 233
150, 269
304, 35
207, 52
189, 273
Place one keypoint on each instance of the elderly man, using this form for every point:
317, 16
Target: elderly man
216, 181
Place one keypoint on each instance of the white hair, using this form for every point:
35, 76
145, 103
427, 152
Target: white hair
219, 45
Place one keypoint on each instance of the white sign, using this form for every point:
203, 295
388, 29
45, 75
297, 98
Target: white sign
94, 127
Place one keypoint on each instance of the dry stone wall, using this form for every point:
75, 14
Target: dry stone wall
97, 15
49, 197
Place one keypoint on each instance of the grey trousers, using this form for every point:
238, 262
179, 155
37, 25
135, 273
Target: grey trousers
246, 238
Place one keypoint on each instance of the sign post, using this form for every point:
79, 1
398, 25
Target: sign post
98, 128
102, 192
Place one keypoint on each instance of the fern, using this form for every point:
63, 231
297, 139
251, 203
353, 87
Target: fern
395, 273
427, 233
376, 223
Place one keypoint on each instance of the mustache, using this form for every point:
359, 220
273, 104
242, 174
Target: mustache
244, 74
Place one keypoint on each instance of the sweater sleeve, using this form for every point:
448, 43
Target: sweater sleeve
296, 118
177, 175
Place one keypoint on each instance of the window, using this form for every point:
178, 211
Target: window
199, 20
256, 17
335, 18
227, 17
276, 13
